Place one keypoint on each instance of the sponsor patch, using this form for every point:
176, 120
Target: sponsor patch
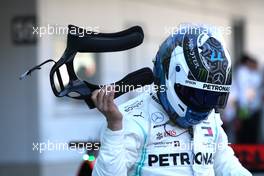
180, 159
138, 115
166, 144
136, 104
157, 117
208, 131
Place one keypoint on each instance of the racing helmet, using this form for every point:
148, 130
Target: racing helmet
192, 70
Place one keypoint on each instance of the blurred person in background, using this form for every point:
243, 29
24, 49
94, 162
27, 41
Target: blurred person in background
248, 80
262, 108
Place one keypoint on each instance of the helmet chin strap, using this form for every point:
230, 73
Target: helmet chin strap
192, 118
186, 121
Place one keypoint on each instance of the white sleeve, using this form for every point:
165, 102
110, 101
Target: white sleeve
226, 164
118, 152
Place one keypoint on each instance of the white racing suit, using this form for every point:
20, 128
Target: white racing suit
149, 145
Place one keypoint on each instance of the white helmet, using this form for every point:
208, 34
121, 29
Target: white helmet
195, 67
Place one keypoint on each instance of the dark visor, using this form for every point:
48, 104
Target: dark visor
201, 100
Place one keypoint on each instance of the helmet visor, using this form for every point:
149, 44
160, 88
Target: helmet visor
201, 100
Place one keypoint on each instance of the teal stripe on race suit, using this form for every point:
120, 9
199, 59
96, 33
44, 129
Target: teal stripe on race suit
143, 153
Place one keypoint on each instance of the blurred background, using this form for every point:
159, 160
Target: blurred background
31, 114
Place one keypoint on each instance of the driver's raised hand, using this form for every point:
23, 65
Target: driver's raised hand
104, 101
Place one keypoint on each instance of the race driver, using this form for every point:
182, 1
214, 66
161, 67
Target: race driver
176, 130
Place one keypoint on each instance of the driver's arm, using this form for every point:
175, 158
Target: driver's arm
118, 153
120, 142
